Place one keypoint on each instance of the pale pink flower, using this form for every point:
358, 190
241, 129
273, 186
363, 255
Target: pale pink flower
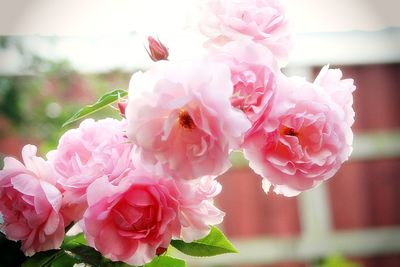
181, 120
306, 137
95, 149
30, 203
253, 70
262, 21
341, 91
136, 220
197, 209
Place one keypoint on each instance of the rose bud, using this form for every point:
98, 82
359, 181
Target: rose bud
160, 251
157, 51
122, 106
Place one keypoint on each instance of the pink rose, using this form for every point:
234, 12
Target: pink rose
253, 70
30, 203
181, 120
262, 21
128, 222
307, 135
197, 210
135, 220
95, 149
341, 91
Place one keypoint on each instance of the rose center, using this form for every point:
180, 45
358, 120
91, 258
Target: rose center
186, 121
288, 131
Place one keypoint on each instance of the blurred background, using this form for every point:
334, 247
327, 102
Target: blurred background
56, 57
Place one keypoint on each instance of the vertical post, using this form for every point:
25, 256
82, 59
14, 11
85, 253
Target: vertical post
315, 215
315, 219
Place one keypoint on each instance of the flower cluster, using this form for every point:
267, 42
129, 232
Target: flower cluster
92, 179
135, 184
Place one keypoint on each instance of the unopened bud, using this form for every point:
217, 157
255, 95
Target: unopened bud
160, 251
157, 51
122, 107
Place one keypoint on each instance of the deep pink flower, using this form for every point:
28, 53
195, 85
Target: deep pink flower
307, 135
253, 70
136, 220
262, 21
181, 120
30, 203
130, 221
95, 149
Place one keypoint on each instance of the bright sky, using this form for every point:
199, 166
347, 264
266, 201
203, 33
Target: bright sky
96, 35
97, 17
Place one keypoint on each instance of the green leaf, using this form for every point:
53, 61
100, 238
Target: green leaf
215, 243
42, 258
86, 254
166, 261
50, 258
158, 261
101, 103
74, 250
338, 261
73, 241
77, 247
64, 260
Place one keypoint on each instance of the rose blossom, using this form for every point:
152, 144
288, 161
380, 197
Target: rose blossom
135, 220
95, 149
181, 120
340, 90
130, 221
262, 21
253, 70
197, 210
307, 135
30, 203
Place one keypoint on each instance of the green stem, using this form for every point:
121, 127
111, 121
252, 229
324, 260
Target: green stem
69, 227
